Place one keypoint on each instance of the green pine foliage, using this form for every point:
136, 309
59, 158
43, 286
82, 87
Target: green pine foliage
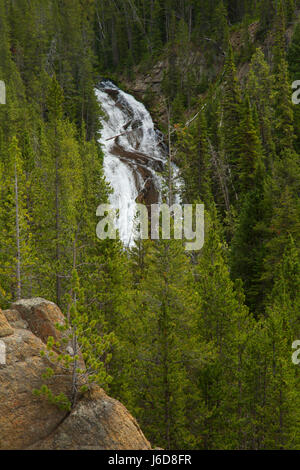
231, 117
194, 157
294, 69
81, 340
164, 345
197, 345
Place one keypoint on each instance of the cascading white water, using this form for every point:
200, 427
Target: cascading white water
133, 154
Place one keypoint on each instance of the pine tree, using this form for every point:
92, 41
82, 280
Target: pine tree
267, 14
223, 323
273, 380
60, 216
290, 10
162, 337
195, 160
284, 131
81, 339
284, 223
248, 248
231, 117
250, 163
156, 26
16, 235
260, 85
294, 69
220, 25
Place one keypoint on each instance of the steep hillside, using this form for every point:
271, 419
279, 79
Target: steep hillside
198, 345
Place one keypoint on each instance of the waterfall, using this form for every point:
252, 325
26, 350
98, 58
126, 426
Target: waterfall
134, 155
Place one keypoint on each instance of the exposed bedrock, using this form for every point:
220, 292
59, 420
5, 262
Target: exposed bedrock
29, 422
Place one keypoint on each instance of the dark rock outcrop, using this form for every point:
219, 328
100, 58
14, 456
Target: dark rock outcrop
29, 422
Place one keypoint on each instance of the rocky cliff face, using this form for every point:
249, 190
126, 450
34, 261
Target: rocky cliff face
29, 422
